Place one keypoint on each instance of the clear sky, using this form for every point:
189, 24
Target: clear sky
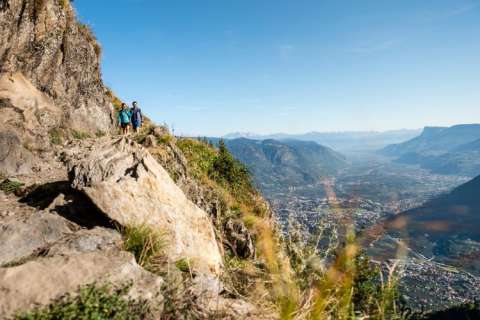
210, 67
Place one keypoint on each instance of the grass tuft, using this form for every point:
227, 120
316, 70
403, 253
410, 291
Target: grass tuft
10, 186
80, 135
146, 244
183, 265
100, 133
56, 136
92, 302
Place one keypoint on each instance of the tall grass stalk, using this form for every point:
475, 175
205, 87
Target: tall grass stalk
146, 244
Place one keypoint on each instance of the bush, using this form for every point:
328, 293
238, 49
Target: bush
166, 138
10, 186
230, 172
145, 243
199, 155
92, 302
218, 165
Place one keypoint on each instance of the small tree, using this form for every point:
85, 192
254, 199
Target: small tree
229, 171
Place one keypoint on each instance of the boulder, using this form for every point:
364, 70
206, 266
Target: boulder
129, 186
42, 280
24, 235
14, 158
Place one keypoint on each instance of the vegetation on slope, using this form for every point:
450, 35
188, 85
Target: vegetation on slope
284, 276
92, 302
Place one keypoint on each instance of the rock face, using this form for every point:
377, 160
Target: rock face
41, 280
24, 235
43, 41
239, 239
27, 117
44, 256
129, 186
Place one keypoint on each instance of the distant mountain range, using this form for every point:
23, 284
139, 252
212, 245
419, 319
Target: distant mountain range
283, 164
342, 141
447, 227
444, 150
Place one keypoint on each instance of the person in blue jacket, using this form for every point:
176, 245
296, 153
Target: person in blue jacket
136, 116
124, 118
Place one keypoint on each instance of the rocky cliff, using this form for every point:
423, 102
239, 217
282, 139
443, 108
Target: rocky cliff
50, 81
44, 42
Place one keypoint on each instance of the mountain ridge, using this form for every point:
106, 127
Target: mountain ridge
286, 163
449, 150
341, 140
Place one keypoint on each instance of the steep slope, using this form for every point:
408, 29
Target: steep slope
78, 231
446, 227
50, 82
43, 41
286, 163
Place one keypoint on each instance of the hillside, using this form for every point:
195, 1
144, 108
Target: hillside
446, 227
453, 150
286, 163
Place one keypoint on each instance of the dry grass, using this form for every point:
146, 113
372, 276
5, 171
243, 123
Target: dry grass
147, 245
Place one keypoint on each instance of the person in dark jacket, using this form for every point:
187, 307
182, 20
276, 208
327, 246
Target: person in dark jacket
124, 118
136, 116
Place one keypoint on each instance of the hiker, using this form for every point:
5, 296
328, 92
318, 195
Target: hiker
124, 118
136, 116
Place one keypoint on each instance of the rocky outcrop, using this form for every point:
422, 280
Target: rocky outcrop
27, 234
27, 117
59, 56
130, 187
39, 281
239, 239
44, 256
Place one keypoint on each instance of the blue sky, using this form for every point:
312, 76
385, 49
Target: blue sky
210, 67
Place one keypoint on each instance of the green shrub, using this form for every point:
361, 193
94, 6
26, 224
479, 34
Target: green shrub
230, 172
80, 135
183, 265
92, 302
166, 138
145, 243
56, 136
10, 186
199, 155
220, 166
